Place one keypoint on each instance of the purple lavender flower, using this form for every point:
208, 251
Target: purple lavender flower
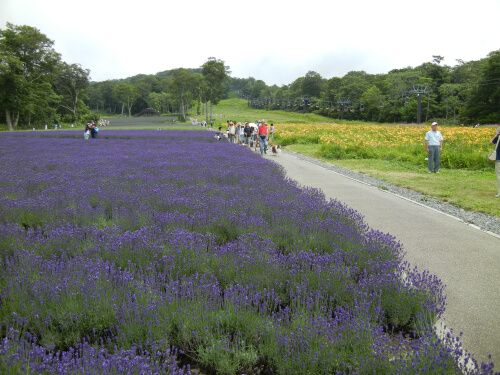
147, 252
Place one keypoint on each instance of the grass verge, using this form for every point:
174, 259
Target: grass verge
470, 190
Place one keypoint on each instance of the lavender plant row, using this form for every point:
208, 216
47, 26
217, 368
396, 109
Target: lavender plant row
150, 252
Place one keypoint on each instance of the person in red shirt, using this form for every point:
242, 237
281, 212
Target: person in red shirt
263, 137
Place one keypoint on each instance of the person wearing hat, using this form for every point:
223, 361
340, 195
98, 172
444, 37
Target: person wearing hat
496, 141
231, 131
434, 146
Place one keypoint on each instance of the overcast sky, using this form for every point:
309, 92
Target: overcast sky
276, 41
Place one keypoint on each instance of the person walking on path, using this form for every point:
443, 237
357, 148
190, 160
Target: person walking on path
263, 137
496, 141
434, 146
232, 132
248, 133
241, 135
271, 132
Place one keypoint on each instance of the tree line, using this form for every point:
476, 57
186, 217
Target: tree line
468, 92
174, 91
37, 87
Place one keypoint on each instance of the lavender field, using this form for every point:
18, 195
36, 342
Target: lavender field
145, 252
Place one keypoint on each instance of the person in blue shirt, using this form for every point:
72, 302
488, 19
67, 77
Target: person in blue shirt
434, 146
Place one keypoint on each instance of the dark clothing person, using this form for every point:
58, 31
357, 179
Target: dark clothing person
248, 133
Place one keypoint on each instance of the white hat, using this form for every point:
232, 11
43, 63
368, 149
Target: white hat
434, 123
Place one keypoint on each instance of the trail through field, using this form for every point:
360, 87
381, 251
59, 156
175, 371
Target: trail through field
465, 258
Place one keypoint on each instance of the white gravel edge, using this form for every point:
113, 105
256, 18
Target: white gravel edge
484, 222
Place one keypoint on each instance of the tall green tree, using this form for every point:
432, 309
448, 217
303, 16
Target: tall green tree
397, 91
200, 92
109, 99
216, 75
484, 102
257, 89
126, 94
27, 60
453, 96
70, 82
466, 71
158, 101
95, 97
182, 86
371, 100
144, 87
312, 84
296, 87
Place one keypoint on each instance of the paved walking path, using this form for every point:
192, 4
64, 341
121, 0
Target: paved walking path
466, 259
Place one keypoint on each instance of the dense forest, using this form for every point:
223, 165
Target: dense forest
37, 87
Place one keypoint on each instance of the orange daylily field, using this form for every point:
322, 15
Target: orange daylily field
463, 147
385, 135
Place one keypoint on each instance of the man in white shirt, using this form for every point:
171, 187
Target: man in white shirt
434, 146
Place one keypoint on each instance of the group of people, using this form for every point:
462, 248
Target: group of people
434, 146
204, 123
249, 134
91, 130
56, 126
103, 122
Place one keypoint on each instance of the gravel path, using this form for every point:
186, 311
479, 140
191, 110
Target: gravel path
485, 222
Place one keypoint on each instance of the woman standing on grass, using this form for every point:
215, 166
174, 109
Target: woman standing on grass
495, 141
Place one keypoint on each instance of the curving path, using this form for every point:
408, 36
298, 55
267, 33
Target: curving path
466, 259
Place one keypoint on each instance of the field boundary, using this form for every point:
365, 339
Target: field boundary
472, 219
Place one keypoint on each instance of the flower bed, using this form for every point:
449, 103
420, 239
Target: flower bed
464, 147
147, 252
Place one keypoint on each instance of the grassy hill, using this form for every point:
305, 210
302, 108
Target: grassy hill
238, 110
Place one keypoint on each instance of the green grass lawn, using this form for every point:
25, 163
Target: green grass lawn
238, 110
467, 189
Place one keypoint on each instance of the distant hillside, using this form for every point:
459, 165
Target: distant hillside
167, 73
164, 74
